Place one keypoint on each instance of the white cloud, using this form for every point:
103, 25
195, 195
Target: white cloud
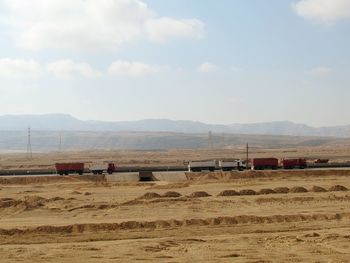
167, 28
19, 68
320, 70
207, 67
135, 69
325, 11
66, 68
91, 24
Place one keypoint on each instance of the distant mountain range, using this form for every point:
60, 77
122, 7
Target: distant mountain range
63, 122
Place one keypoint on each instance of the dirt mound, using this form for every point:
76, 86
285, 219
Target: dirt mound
129, 225
169, 186
171, 194
298, 189
8, 202
281, 190
336, 188
266, 191
209, 177
228, 193
317, 189
199, 194
27, 202
150, 195
247, 192
32, 202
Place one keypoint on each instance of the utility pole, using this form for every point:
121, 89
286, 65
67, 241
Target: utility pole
247, 155
29, 146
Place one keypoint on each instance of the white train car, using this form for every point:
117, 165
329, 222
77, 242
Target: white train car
198, 166
231, 165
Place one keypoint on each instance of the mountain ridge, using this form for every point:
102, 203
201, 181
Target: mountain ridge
66, 122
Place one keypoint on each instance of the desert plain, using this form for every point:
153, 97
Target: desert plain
250, 216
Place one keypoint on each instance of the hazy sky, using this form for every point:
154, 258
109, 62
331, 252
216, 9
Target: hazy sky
216, 61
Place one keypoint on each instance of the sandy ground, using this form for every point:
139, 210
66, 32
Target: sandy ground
165, 158
69, 219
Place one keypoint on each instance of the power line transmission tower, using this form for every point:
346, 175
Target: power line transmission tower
210, 140
29, 146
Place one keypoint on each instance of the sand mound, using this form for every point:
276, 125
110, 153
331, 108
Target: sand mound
150, 195
8, 202
317, 189
228, 193
27, 202
171, 194
338, 188
209, 177
130, 225
247, 192
281, 190
199, 194
32, 202
298, 189
75, 193
266, 191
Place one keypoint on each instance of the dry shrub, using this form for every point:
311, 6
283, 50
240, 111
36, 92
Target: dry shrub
150, 195
87, 193
228, 193
298, 189
266, 191
336, 188
199, 194
281, 190
247, 192
75, 193
318, 189
171, 194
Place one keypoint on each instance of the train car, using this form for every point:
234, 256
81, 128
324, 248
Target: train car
264, 163
231, 165
289, 163
198, 166
68, 168
110, 168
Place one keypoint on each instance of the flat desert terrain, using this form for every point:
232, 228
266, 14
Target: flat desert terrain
285, 216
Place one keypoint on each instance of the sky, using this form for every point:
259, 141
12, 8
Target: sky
220, 62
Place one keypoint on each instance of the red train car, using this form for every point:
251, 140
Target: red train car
67, 168
293, 163
264, 163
